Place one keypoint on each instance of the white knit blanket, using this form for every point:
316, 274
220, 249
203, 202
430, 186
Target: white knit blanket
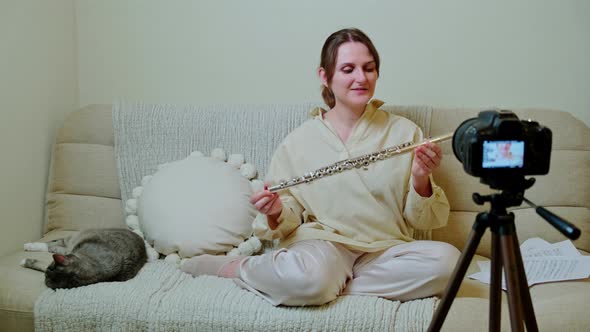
147, 135
162, 298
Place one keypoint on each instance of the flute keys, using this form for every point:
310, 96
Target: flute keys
358, 162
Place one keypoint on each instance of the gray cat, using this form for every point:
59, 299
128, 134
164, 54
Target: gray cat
91, 256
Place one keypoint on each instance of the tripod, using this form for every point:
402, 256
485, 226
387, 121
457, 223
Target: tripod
506, 254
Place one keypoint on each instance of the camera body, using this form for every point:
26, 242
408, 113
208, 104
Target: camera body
501, 149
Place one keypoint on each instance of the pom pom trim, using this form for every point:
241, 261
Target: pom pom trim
248, 247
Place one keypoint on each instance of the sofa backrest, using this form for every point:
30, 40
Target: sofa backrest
83, 186
84, 191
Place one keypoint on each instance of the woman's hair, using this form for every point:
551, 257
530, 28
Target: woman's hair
330, 53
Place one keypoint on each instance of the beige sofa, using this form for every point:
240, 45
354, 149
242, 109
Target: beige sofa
83, 191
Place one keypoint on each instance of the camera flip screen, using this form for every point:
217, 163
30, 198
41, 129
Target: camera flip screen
503, 154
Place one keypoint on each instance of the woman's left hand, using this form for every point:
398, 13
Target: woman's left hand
427, 158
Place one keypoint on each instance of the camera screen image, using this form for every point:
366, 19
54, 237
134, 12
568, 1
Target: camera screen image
503, 154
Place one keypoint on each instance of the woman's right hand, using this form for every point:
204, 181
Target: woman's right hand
268, 203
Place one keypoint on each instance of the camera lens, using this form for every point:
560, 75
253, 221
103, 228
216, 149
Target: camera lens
462, 137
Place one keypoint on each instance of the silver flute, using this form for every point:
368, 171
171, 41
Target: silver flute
357, 162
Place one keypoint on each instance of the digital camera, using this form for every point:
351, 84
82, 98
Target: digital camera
501, 149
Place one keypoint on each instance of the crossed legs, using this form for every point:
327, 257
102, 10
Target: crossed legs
315, 272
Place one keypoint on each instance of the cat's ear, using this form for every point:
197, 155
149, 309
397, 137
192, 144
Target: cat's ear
60, 259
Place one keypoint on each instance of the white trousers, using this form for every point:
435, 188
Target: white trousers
315, 272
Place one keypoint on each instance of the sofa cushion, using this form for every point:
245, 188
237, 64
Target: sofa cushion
92, 124
83, 188
84, 169
560, 306
458, 185
75, 212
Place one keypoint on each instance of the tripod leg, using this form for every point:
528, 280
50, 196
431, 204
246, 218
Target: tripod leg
473, 240
512, 278
495, 281
525, 295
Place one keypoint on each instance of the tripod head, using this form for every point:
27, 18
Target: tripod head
515, 196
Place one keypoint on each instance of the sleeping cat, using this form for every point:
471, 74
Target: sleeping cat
91, 256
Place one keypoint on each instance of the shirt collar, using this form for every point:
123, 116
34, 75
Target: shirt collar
371, 107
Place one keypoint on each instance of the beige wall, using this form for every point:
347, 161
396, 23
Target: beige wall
37, 87
526, 53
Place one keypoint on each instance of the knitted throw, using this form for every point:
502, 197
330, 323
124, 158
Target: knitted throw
162, 298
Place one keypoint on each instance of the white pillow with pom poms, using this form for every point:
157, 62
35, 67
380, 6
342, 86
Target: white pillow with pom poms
196, 205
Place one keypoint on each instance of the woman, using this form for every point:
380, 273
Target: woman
350, 233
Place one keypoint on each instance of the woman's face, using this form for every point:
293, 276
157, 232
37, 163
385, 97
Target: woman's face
355, 75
